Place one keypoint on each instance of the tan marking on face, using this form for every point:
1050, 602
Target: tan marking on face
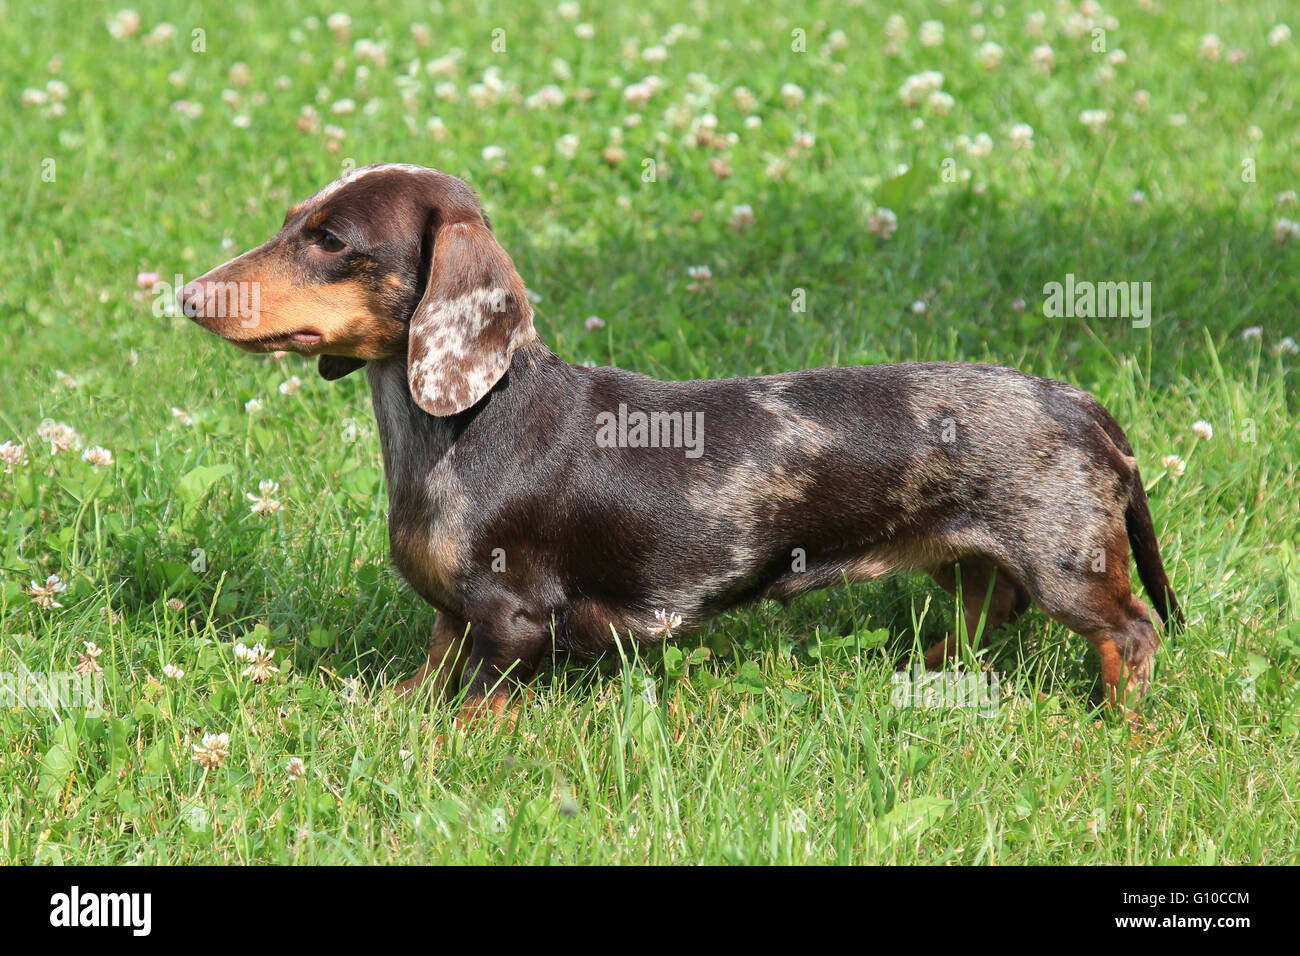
394, 280
295, 209
316, 218
341, 313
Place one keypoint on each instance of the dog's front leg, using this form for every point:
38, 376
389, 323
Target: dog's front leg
447, 653
507, 646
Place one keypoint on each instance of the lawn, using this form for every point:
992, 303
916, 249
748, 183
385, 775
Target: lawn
728, 189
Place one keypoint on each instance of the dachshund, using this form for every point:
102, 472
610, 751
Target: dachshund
541, 506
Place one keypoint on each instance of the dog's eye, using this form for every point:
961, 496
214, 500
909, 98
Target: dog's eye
331, 243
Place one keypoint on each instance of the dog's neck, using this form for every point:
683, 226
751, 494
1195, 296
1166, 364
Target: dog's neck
420, 450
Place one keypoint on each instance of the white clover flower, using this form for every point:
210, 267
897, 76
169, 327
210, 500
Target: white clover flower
638, 94
918, 86
61, 436
1210, 47
1288, 346
123, 24
259, 663
981, 145
594, 322
13, 455
742, 217
492, 154
896, 28
882, 223
666, 623
1043, 58
340, 24
1174, 465
214, 749
172, 672
568, 11
940, 103
1279, 35
1285, 229
1254, 332
584, 31
291, 386
990, 55
792, 95
567, 145
89, 663
295, 767
931, 33
98, 457
1021, 136
919, 307
548, 96
253, 406
1203, 430
44, 594
1094, 119
701, 277
264, 502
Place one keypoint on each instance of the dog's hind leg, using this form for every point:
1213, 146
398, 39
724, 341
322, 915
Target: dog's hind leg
1097, 601
977, 576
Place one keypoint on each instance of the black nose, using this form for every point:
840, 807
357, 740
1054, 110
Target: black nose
193, 299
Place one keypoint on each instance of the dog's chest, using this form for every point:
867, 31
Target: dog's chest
429, 560
426, 503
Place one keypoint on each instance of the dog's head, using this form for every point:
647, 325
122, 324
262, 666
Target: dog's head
385, 260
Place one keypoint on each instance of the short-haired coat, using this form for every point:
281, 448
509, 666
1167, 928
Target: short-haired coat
538, 505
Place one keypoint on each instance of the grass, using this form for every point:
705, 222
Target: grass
774, 736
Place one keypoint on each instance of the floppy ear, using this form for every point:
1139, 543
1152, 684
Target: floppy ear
473, 316
336, 366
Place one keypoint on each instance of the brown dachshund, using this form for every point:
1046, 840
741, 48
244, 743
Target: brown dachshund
540, 505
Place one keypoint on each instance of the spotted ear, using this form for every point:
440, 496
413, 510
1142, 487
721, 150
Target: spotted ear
336, 366
473, 316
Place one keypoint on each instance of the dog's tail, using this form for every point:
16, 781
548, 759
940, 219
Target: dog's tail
1146, 555
1142, 532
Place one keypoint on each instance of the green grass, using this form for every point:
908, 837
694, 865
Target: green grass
773, 736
